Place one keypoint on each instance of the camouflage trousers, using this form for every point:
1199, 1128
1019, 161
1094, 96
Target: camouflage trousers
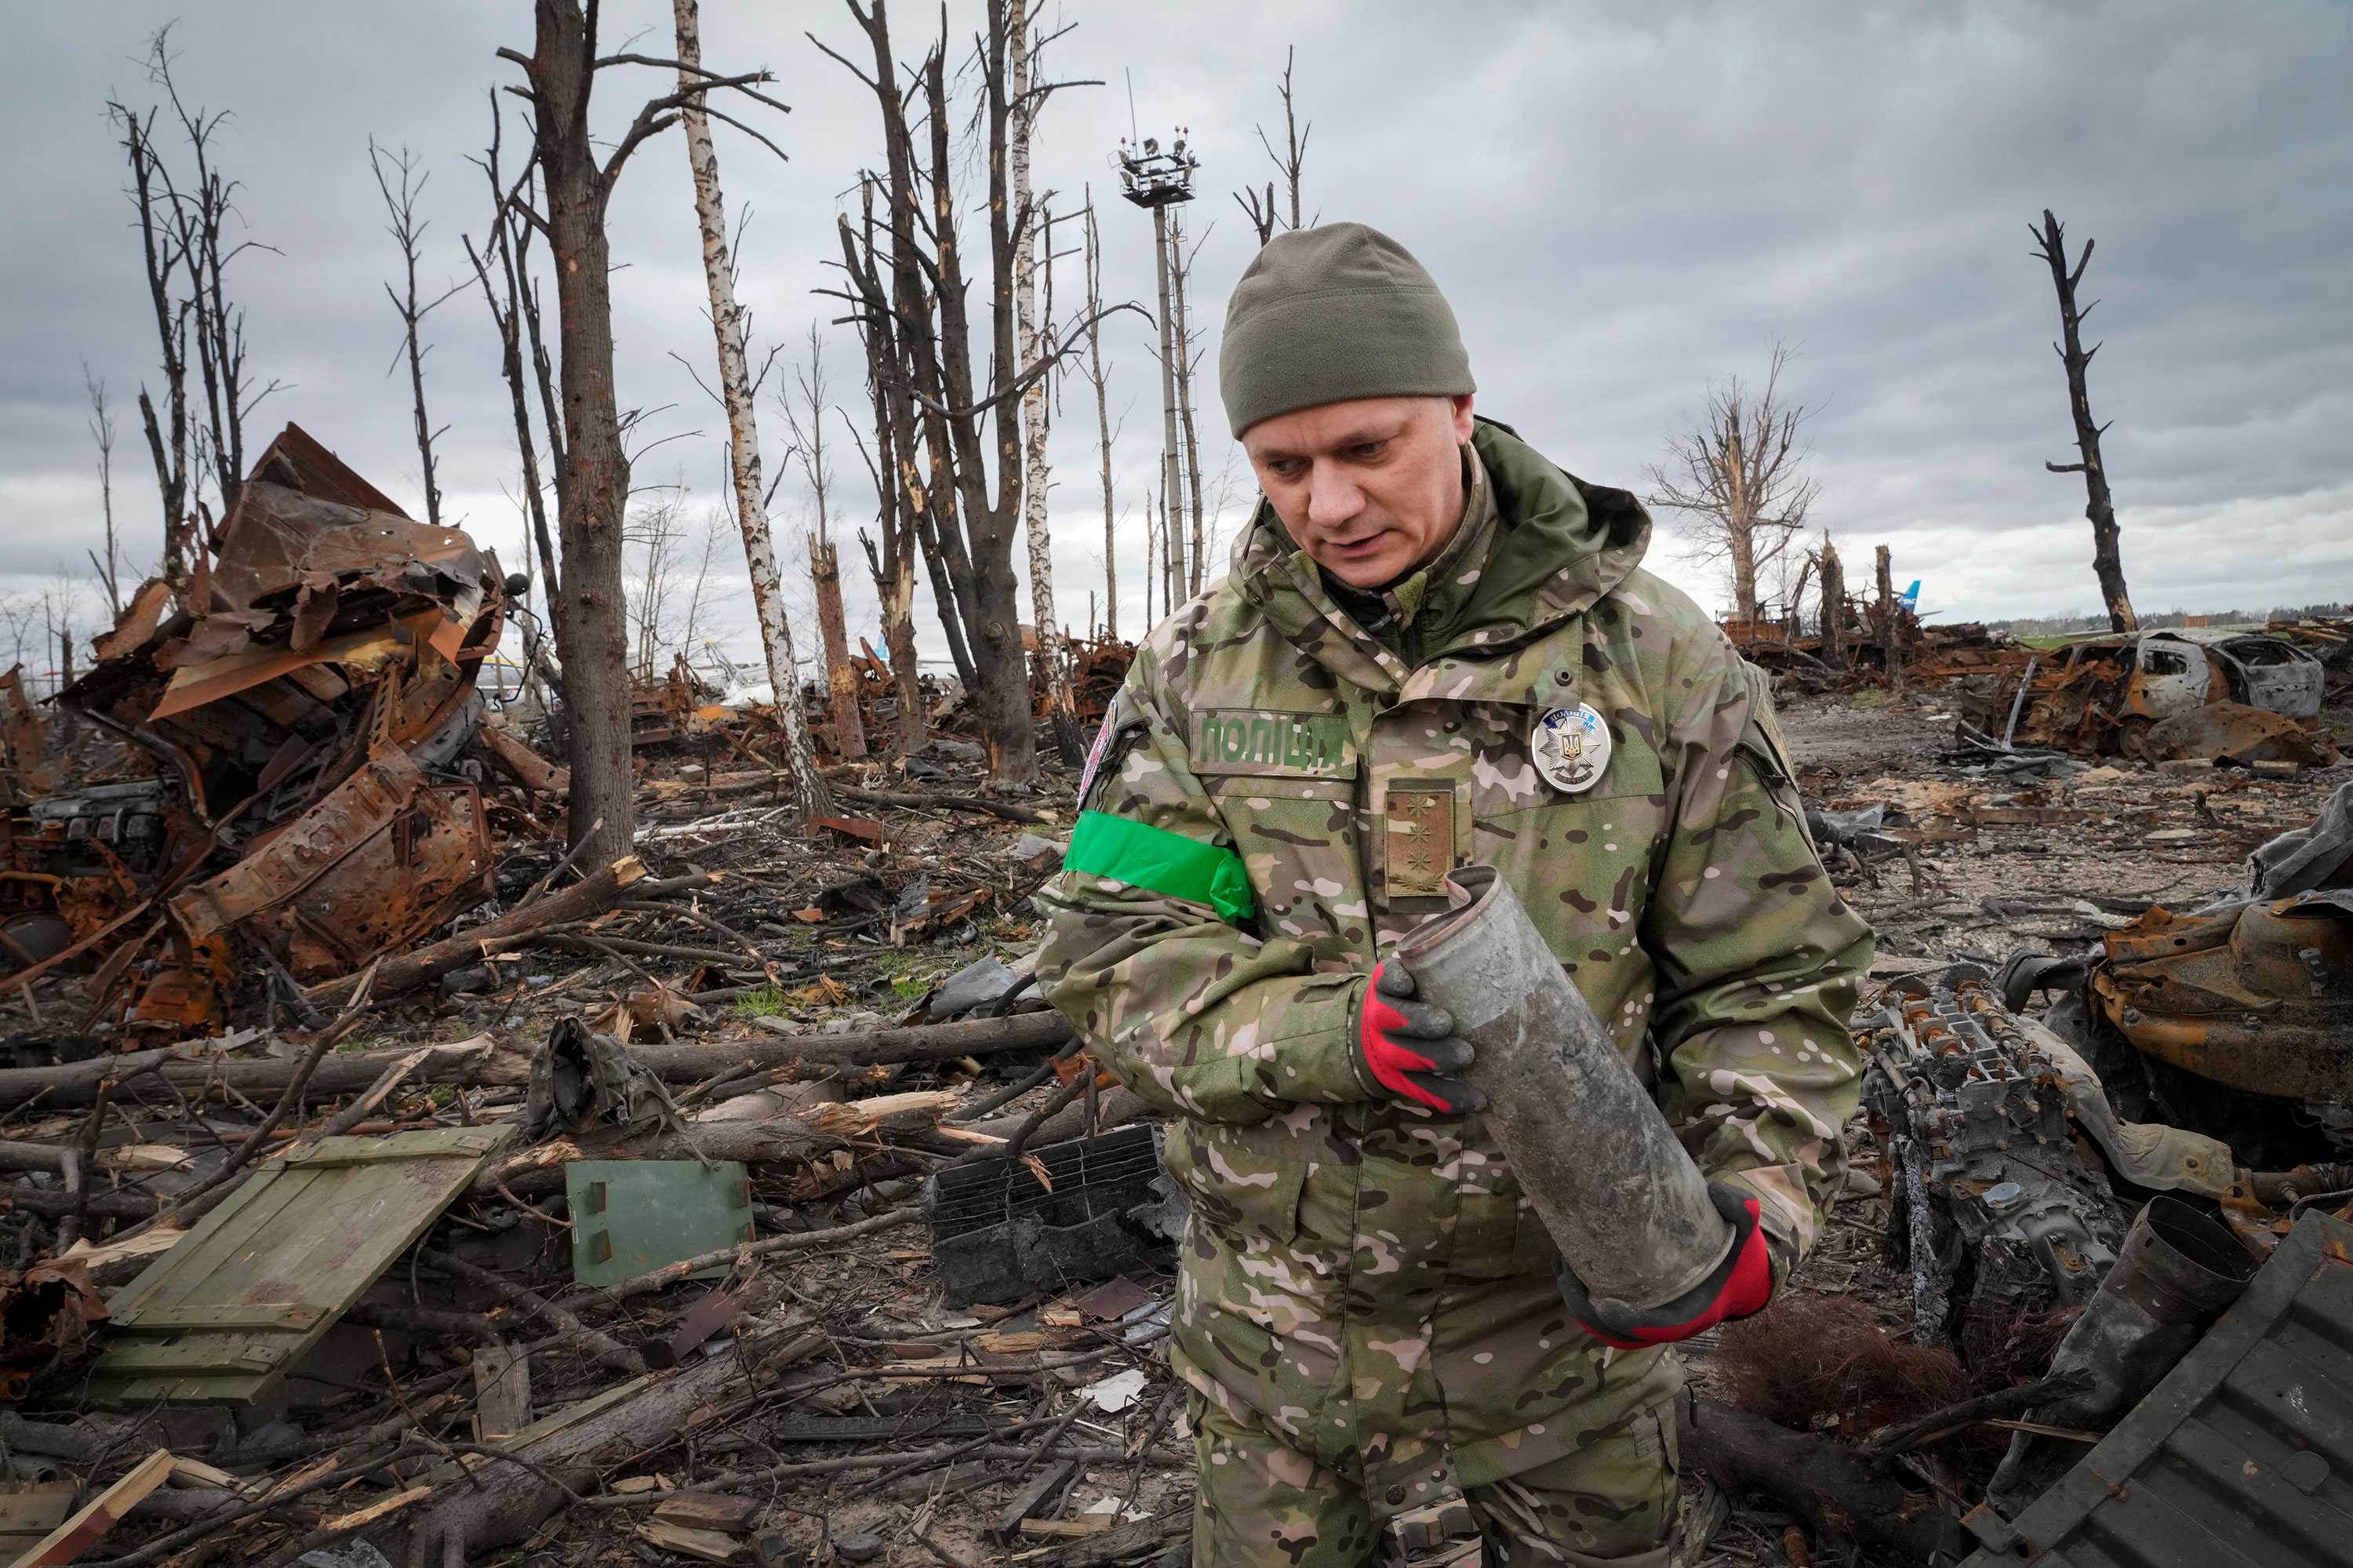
1261, 1502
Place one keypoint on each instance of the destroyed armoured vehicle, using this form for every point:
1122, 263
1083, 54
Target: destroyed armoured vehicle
290, 712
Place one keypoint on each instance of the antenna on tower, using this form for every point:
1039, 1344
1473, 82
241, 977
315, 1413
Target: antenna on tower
1133, 135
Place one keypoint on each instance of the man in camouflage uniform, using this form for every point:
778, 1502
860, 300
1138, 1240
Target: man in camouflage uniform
1369, 1308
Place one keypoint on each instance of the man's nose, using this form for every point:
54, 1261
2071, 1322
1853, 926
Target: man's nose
1332, 500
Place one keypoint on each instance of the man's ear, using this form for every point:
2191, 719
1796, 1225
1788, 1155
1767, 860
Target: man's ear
1461, 411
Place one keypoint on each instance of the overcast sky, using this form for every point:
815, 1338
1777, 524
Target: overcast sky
1624, 201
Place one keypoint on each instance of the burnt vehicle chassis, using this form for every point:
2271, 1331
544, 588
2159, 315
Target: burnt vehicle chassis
291, 714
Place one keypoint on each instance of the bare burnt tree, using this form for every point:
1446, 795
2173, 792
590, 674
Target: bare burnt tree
1890, 618
806, 423
737, 389
892, 564
1833, 604
102, 430
1739, 478
911, 518
502, 265
184, 221
1103, 418
592, 482
2107, 559
1028, 97
1265, 215
407, 231
1180, 270
970, 424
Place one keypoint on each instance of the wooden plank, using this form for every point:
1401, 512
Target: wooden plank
256, 1315
217, 1238
435, 1143
502, 1390
35, 1509
1031, 1497
377, 1510
190, 1472
707, 1544
78, 1534
539, 1431
204, 1355
262, 1277
709, 1510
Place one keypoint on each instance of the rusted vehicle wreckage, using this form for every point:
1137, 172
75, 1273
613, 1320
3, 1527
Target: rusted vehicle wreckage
284, 808
2248, 695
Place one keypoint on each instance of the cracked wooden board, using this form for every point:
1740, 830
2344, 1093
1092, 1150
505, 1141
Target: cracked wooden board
228, 1312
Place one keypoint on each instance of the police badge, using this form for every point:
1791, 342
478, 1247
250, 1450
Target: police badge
1571, 748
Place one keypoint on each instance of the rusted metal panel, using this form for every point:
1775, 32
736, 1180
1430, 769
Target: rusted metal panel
225, 1314
2241, 733
383, 859
2241, 1458
2249, 998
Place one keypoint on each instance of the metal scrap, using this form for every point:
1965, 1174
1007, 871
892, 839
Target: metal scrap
288, 714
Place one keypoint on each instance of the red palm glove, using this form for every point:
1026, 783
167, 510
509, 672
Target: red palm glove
1741, 1285
1409, 1048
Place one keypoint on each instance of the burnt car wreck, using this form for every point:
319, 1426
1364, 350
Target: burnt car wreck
2249, 696
283, 806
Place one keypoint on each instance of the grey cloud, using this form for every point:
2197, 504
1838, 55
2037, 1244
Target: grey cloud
1624, 201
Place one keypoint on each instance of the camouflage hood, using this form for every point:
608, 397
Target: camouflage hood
1558, 545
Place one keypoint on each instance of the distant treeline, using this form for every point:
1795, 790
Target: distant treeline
2052, 625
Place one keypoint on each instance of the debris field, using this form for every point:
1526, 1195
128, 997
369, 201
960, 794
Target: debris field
384, 1186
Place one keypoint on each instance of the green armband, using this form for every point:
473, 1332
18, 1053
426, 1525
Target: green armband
1145, 856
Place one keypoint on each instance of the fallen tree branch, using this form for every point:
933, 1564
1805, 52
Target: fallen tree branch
592, 894
1882, 1447
603, 1347
942, 803
353, 1073
209, 1191
671, 1274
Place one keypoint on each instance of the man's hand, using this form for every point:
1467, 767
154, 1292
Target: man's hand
1409, 1048
1741, 1285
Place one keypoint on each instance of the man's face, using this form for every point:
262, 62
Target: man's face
1369, 489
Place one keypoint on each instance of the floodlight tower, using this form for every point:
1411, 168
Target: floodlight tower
1152, 178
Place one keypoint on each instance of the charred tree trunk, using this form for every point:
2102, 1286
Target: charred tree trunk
1833, 606
592, 488
2107, 560
1180, 270
809, 793
510, 243
970, 510
1891, 628
591, 610
168, 433
408, 233
898, 481
1102, 419
841, 679
1169, 568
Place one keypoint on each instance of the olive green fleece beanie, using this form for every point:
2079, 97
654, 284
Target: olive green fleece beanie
1326, 314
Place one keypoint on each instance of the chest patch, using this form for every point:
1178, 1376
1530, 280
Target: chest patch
1250, 740
1571, 748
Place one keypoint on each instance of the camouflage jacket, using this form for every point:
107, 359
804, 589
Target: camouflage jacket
1277, 796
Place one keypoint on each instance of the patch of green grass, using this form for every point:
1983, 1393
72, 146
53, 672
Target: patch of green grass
766, 1002
908, 989
1870, 697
